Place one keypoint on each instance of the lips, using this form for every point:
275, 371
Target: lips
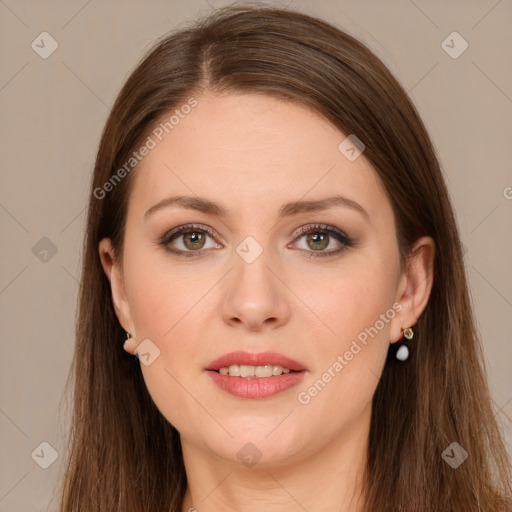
259, 359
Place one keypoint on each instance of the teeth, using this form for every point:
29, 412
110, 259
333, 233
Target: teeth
244, 370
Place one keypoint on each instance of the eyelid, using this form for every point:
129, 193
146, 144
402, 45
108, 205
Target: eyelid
319, 226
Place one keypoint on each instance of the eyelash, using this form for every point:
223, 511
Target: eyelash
316, 228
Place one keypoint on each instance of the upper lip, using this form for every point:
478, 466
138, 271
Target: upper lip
259, 359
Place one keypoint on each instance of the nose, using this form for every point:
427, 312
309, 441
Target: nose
255, 298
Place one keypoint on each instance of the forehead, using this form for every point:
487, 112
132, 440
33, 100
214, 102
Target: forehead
250, 150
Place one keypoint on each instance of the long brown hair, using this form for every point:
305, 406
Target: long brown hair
123, 454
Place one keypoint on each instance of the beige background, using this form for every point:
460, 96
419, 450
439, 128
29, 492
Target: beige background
53, 111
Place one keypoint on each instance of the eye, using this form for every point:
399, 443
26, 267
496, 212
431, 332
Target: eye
193, 240
318, 238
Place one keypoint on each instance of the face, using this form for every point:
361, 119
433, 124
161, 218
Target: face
329, 297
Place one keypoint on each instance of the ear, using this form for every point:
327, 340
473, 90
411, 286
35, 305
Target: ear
114, 274
415, 285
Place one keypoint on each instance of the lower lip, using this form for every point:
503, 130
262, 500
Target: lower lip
256, 387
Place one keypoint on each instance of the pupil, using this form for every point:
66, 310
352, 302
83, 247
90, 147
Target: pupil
194, 237
319, 240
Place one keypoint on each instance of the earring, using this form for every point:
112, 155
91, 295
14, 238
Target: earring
403, 352
128, 336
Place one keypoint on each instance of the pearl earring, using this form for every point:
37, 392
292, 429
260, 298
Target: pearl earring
128, 336
403, 352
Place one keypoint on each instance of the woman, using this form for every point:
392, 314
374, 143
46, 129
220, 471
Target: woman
274, 311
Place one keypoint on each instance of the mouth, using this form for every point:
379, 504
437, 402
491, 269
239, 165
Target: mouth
255, 376
247, 364
248, 371
252, 387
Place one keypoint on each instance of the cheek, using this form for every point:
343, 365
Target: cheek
353, 338
167, 305
350, 361
348, 301
162, 295
165, 312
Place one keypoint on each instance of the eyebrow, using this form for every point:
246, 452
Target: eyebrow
293, 208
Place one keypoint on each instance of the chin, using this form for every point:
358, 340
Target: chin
259, 449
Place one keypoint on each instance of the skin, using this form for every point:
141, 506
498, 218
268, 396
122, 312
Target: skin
253, 153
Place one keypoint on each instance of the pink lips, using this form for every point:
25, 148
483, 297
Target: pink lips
260, 359
255, 387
